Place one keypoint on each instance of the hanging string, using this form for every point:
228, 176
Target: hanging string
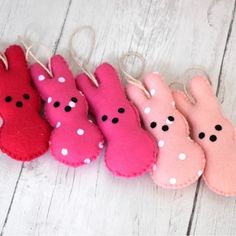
83, 65
131, 78
4, 60
29, 53
184, 84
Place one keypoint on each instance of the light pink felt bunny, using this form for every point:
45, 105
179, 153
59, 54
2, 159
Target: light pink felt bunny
131, 150
181, 161
213, 132
75, 140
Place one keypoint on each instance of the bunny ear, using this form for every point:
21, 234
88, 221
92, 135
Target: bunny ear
136, 95
16, 60
202, 91
182, 102
157, 87
106, 75
41, 79
60, 68
85, 85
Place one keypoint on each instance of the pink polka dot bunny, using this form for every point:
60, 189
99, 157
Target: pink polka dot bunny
213, 132
75, 140
131, 151
181, 161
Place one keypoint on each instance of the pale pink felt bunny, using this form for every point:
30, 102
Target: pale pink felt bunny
213, 132
181, 161
75, 140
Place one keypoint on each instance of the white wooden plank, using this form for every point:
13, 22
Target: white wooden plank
57, 200
15, 16
220, 211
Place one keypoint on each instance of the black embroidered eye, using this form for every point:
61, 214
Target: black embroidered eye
8, 98
165, 127
218, 127
121, 110
115, 120
201, 135
171, 118
19, 104
104, 117
74, 99
56, 104
67, 108
26, 96
153, 124
213, 138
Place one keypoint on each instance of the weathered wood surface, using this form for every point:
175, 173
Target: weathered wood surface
46, 198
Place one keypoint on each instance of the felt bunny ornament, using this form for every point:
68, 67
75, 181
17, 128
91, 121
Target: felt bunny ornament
181, 161
75, 139
24, 134
131, 151
213, 132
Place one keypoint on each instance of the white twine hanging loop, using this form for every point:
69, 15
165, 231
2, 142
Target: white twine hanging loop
83, 64
29, 53
4, 60
133, 78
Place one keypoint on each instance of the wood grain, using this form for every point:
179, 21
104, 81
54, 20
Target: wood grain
46, 198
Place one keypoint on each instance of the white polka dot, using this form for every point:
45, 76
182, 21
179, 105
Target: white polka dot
172, 181
61, 79
58, 124
49, 99
87, 161
100, 145
64, 151
154, 167
161, 143
147, 110
41, 78
152, 92
173, 103
72, 104
168, 122
90, 121
80, 131
199, 172
182, 156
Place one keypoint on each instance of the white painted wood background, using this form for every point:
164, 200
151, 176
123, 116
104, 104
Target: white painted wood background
47, 198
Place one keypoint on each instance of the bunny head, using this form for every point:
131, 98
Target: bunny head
159, 110
114, 110
16, 93
210, 126
63, 101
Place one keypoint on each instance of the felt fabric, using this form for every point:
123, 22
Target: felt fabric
181, 161
75, 140
24, 134
131, 151
213, 132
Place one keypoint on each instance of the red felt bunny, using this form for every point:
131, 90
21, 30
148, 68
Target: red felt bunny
24, 134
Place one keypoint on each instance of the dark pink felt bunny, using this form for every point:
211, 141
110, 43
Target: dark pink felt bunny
75, 140
131, 151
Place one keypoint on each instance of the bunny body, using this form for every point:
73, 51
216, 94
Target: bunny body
131, 151
75, 140
214, 133
181, 161
24, 134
